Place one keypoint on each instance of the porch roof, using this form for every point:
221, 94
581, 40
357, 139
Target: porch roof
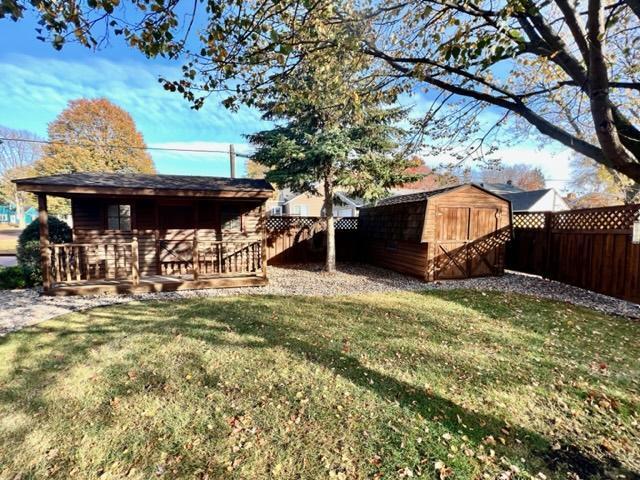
134, 184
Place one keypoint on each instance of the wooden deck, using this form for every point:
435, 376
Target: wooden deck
155, 283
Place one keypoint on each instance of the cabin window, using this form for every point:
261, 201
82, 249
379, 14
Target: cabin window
119, 217
231, 218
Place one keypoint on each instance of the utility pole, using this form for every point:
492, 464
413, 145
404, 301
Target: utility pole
232, 160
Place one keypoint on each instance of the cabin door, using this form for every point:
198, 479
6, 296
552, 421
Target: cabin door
462, 249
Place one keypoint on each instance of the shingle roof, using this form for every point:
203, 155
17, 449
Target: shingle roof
411, 197
148, 181
422, 196
523, 201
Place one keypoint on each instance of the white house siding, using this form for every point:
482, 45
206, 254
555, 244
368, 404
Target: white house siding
550, 202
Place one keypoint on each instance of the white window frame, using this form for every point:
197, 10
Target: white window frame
300, 211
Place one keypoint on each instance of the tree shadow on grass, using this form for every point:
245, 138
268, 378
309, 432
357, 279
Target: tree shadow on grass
208, 320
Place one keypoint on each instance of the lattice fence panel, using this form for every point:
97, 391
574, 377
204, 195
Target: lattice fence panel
347, 223
597, 219
529, 220
277, 223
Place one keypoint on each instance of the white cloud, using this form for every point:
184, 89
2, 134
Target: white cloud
554, 162
213, 159
206, 147
35, 90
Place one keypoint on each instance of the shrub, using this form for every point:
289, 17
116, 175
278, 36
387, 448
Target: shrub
29, 247
12, 277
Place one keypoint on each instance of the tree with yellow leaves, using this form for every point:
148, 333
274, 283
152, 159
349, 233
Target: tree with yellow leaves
94, 135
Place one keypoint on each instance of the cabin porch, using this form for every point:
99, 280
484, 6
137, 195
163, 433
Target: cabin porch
135, 233
102, 268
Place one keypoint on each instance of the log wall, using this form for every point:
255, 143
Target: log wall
165, 228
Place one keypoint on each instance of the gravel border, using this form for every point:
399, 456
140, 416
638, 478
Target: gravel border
21, 308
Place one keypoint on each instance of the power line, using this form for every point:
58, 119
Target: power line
164, 149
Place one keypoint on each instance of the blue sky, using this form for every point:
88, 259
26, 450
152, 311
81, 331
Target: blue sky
37, 82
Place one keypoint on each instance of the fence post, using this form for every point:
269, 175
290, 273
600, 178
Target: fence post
135, 266
263, 242
548, 221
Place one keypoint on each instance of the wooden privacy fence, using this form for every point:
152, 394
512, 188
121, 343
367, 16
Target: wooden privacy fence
303, 239
589, 248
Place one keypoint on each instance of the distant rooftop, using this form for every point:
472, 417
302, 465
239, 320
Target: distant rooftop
501, 188
524, 201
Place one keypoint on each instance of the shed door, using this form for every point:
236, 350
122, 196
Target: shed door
452, 234
463, 242
482, 250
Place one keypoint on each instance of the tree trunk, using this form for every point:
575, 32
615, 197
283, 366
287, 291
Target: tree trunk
19, 210
601, 108
330, 263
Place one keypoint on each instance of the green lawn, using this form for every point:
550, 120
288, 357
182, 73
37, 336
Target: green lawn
440, 385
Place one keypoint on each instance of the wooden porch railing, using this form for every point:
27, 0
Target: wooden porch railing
74, 262
179, 257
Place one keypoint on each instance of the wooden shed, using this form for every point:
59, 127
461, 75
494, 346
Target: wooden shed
453, 232
144, 233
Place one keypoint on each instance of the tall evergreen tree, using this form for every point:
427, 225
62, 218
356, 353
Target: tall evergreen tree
330, 135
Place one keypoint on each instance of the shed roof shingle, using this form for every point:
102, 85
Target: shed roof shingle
422, 196
411, 197
148, 181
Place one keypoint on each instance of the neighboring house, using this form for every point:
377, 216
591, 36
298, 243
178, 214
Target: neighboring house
543, 200
289, 203
8, 215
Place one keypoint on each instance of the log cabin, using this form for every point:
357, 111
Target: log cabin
135, 233
450, 233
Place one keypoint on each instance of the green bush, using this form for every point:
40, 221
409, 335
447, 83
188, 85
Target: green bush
29, 247
13, 277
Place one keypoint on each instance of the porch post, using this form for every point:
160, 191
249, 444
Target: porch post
45, 253
135, 263
195, 256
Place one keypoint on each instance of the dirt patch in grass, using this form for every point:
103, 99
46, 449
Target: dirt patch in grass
452, 384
